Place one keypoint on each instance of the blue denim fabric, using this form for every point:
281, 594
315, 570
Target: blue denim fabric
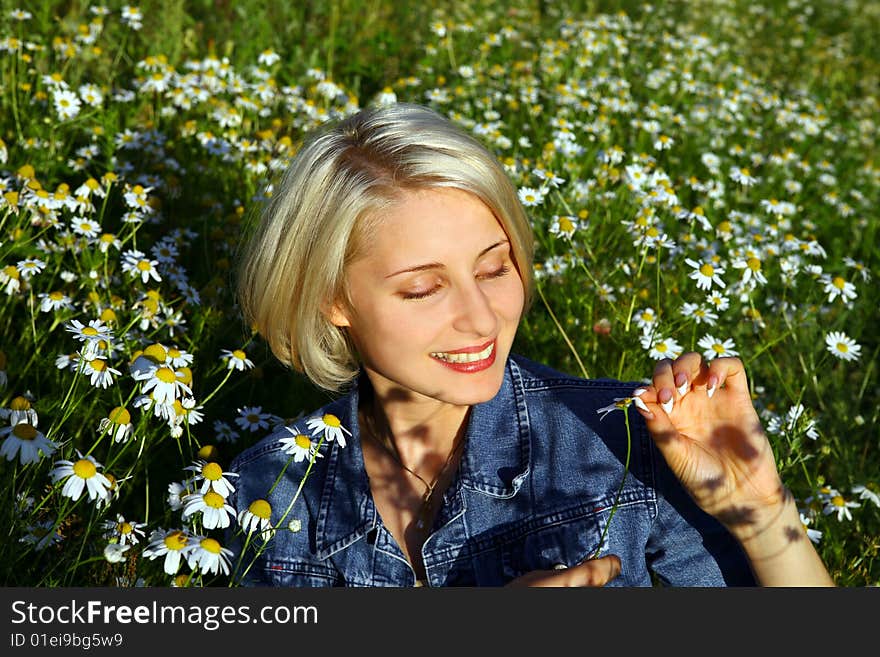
534, 490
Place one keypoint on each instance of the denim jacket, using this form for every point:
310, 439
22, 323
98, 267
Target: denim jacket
535, 490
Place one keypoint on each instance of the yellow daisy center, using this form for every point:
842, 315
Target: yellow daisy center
754, 264
98, 365
175, 540
144, 265
838, 282
332, 421
90, 330
718, 348
20, 404
238, 353
261, 509
208, 452
212, 471
837, 500
124, 527
156, 353
303, 441
84, 469
210, 545
56, 295
119, 415
24, 431
566, 225
213, 500
707, 270
841, 346
166, 375
661, 347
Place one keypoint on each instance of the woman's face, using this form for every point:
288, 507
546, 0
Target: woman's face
436, 300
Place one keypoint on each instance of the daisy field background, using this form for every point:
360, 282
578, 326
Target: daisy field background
700, 176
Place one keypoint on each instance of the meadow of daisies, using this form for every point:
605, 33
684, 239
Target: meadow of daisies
700, 175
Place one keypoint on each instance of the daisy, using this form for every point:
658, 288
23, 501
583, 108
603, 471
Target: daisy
299, 446
742, 176
842, 346
331, 426
530, 197
646, 319
705, 274
172, 544
813, 534
24, 440
236, 360
718, 301
115, 552
176, 492
869, 491
660, 348
713, 347
123, 531
621, 404
55, 300
699, 314
67, 104
253, 418
118, 424
29, 267
20, 410
132, 17
163, 383
42, 534
224, 433
563, 226
212, 477
838, 287
80, 475
751, 267
268, 57
100, 373
840, 506
209, 556
135, 264
257, 517
96, 330
213, 507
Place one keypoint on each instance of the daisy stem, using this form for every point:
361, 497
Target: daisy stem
562, 331
217, 389
619, 488
295, 496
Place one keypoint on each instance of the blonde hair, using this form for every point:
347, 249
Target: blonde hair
323, 209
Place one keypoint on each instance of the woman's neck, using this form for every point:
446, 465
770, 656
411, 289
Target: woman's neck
414, 428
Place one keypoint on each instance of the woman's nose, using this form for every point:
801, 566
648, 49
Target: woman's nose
474, 313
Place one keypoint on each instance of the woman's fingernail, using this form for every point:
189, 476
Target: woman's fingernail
683, 389
640, 404
710, 390
667, 406
638, 392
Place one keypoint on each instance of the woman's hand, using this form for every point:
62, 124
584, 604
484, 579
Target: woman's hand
703, 421
592, 572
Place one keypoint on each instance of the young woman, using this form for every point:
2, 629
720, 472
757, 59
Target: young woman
394, 263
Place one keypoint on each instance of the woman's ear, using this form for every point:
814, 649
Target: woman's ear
337, 315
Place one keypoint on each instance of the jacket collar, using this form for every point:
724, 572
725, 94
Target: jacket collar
495, 462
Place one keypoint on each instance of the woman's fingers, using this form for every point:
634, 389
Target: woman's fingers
592, 572
674, 379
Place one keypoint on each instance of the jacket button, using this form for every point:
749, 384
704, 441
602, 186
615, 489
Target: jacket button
559, 566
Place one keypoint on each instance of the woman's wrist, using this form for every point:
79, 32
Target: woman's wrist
778, 548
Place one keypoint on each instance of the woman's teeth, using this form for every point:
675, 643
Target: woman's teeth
464, 358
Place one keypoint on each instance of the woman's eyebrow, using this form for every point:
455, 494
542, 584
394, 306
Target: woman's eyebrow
440, 265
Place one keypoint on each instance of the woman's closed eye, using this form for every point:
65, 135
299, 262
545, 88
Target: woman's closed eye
497, 273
